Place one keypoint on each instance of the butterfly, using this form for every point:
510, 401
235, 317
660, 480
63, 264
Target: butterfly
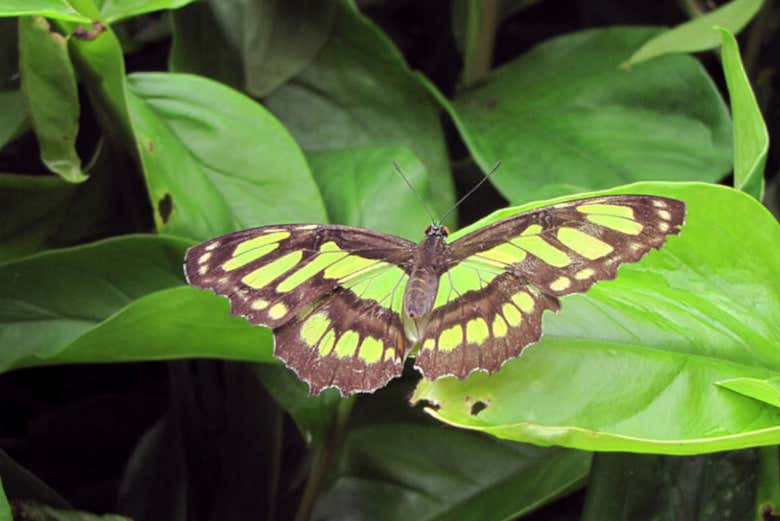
348, 305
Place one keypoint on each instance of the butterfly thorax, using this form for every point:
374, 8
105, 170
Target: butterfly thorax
429, 264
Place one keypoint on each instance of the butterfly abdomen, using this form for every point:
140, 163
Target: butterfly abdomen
420, 292
424, 278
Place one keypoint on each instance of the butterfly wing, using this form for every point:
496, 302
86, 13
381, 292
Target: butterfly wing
502, 277
332, 294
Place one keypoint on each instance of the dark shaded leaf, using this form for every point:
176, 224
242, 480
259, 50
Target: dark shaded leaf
333, 103
407, 471
715, 487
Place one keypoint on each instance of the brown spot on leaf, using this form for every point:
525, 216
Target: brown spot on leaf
89, 34
165, 208
150, 147
477, 407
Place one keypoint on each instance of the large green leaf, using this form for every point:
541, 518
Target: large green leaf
406, 471
34, 207
361, 188
50, 299
713, 487
51, 95
57, 9
632, 364
266, 42
113, 10
359, 92
215, 160
697, 35
751, 139
565, 114
175, 323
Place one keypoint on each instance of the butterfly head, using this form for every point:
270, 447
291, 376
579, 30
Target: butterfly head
437, 230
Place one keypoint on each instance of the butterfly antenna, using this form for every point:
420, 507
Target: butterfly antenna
409, 184
474, 189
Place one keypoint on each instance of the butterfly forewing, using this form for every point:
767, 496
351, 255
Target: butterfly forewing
331, 293
502, 277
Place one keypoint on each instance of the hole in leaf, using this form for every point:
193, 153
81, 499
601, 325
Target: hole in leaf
767, 513
165, 208
477, 407
429, 404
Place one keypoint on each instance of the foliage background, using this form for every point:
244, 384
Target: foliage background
123, 143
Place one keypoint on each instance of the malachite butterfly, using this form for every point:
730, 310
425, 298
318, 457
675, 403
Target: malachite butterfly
347, 306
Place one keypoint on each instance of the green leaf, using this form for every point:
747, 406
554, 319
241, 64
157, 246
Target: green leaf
34, 207
215, 161
564, 113
101, 67
751, 139
12, 115
764, 389
697, 35
113, 10
334, 102
632, 364
407, 471
50, 299
5, 508
361, 188
713, 487
57, 9
51, 96
170, 324
314, 415
282, 39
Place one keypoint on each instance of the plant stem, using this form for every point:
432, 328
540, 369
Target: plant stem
323, 458
768, 493
692, 8
481, 23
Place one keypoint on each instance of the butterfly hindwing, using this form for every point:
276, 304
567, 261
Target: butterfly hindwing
482, 328
349, 343
300, 279
502, 277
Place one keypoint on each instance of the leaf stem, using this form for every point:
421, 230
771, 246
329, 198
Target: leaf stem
324, 455
481, 23
692, 8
